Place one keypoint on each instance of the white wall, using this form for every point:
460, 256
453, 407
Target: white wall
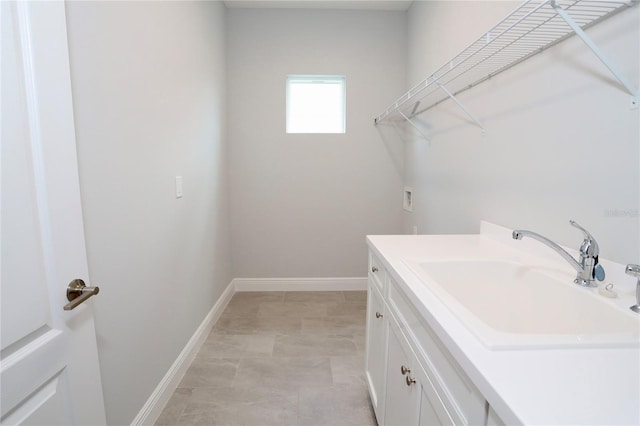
561, 141
149, 99
302, 204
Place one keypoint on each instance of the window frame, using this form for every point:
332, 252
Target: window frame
290, 128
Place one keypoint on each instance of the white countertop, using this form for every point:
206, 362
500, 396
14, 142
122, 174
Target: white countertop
582, 386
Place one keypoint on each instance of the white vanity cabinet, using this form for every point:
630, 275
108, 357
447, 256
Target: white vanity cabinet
412, 379
470, 372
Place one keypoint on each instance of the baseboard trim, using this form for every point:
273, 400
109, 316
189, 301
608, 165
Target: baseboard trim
152, 409
299, 284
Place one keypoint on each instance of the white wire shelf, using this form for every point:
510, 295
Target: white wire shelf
534, 26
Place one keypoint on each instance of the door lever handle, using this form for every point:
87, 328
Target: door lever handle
78, 292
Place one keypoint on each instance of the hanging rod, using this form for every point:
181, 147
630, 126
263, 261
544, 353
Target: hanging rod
531, 28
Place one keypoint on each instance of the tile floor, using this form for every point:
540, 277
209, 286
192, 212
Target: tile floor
279, 358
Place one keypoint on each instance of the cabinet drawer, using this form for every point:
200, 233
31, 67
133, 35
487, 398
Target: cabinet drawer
463, 401
377, 273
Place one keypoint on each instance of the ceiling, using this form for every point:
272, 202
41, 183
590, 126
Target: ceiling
398, 5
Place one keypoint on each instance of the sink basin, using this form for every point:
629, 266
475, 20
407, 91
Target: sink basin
512, 305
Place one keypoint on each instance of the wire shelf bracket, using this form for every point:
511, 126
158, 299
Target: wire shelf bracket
415, 126
462, 107
531, 28
633, 91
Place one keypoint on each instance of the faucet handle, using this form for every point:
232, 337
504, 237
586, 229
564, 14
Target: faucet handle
589, 246
633, 270
587, 235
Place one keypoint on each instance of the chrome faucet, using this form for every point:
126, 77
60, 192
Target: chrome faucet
634, 271
588, 267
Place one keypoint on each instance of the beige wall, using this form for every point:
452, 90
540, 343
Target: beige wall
302, 204
561, 141
149, 98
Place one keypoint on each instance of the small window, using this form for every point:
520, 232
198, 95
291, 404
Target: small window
316, 104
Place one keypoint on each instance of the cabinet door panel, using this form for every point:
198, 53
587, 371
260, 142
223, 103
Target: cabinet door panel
493, 419
428, 415
402, 405
432, 411
376, 350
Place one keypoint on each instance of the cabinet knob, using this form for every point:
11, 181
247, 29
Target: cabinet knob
374, 269
410, 381
404, 370
379, 315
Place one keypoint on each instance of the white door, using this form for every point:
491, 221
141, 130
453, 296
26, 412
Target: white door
49, 371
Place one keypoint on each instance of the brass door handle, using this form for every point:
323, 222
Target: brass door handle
78, 292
